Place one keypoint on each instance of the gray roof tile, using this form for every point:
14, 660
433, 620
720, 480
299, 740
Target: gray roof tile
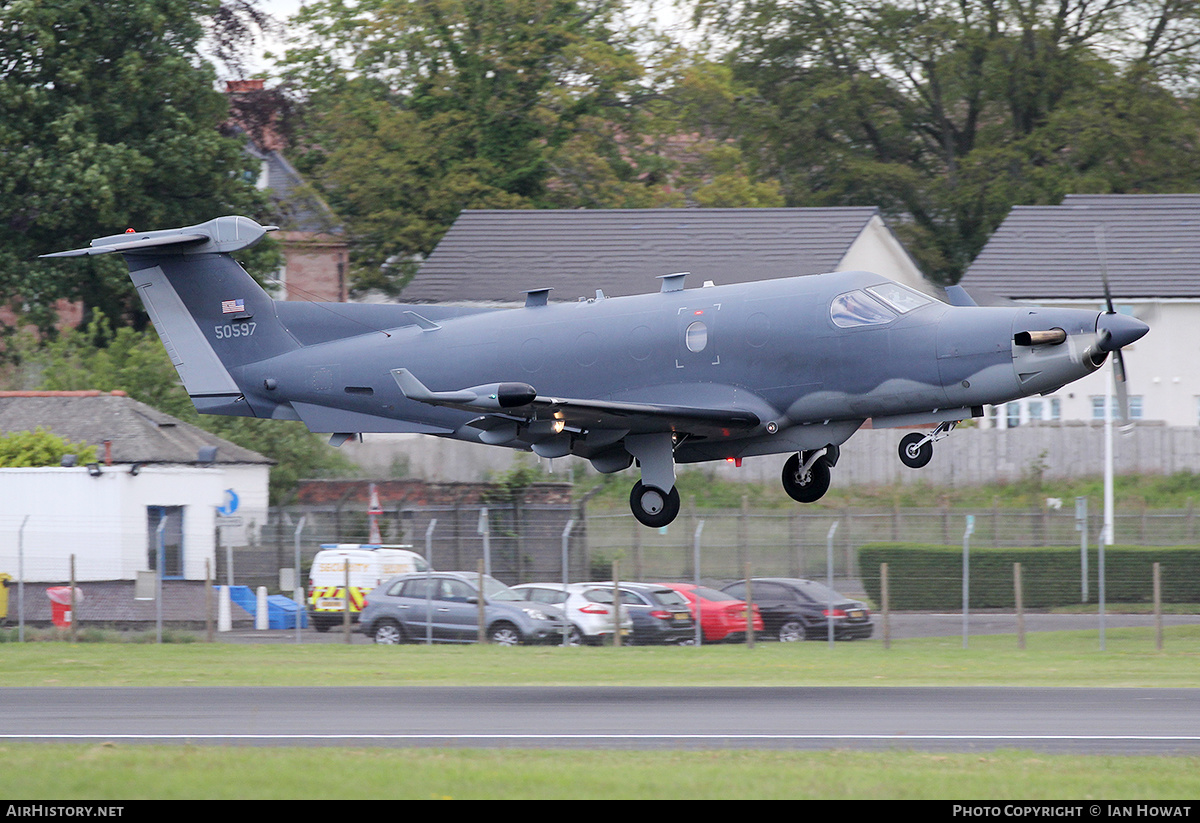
1151, 243
490, 255
139, 433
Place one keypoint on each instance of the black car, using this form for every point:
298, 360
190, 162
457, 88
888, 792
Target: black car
660, 615
796, 609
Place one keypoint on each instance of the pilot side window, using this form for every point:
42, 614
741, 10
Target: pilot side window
857, 309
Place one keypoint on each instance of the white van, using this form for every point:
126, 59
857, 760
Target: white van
370, 565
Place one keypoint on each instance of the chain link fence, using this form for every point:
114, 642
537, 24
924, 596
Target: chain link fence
525, 543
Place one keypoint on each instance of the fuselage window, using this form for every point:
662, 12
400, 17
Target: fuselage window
696, 336
856, 309
899, 298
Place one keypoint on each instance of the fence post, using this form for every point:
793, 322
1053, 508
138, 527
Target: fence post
1019, 596
966, 576
566, 579
616, 576
346, 601
829, 578
696, 574
749, 608
429, 578
300, 592
482, 627
208, 594
1158, 623
73, 605
885, 598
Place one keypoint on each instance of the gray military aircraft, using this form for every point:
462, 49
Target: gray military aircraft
683, 375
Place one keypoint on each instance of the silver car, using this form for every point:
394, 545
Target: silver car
444, 606
587, 605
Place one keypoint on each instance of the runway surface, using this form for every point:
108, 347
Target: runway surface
1116, 721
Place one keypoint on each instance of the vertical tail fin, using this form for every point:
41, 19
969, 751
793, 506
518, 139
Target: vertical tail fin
209, 313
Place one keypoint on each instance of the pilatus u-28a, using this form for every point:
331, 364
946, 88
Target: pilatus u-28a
684, 375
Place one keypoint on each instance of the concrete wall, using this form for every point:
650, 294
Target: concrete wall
969, 456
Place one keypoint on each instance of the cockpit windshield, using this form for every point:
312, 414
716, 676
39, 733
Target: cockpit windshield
899, 298
857, 309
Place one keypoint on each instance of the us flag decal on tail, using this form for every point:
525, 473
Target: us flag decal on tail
232, 306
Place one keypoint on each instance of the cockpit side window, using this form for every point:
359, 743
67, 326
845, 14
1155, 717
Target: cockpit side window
857, 309
898, 297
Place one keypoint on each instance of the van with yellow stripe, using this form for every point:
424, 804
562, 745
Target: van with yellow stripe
368, 565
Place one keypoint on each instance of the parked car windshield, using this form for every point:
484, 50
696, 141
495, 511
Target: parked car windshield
495, 590
669, 597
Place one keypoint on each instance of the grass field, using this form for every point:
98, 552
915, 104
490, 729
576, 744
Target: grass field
126, 771
1050, 659
121, 772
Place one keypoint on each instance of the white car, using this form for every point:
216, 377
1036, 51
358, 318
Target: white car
588, 606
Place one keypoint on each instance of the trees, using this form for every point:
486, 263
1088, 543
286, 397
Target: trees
40, 448
417, 110
947, 112
108, 119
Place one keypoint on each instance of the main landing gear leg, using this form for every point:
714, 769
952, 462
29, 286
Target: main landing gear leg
806, 474
654, 500
916, 450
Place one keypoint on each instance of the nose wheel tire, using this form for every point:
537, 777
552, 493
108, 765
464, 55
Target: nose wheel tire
914, 453
805, 488
652, 506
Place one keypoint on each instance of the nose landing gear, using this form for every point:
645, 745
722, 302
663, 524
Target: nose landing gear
916, 450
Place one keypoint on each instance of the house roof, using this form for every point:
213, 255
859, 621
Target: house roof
138, 433
1151, 246
488, 255
295, 205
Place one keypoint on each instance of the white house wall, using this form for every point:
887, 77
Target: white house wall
877, 250
103, 520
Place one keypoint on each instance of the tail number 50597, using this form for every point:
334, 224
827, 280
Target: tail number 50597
230, 330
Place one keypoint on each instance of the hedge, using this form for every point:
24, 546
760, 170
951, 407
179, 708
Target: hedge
929, 577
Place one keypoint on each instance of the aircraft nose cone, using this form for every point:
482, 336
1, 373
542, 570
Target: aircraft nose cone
1119, 330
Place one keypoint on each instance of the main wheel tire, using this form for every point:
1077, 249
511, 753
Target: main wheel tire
321, 624
806, 489
791, 631
652, 506
504, 634
915, 454
388, 633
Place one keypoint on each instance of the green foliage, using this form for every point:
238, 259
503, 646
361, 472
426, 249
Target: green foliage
947, 114
926, 577
136, 362
108, 119
40, 448
415, 111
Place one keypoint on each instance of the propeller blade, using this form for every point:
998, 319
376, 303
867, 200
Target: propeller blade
1122, 388
1101, 251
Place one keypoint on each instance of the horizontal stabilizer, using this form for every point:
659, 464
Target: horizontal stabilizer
223, 234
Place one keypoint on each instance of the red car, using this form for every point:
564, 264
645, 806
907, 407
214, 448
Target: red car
722, 616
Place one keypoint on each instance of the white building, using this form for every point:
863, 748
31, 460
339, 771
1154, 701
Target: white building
151, 469
1150, 246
